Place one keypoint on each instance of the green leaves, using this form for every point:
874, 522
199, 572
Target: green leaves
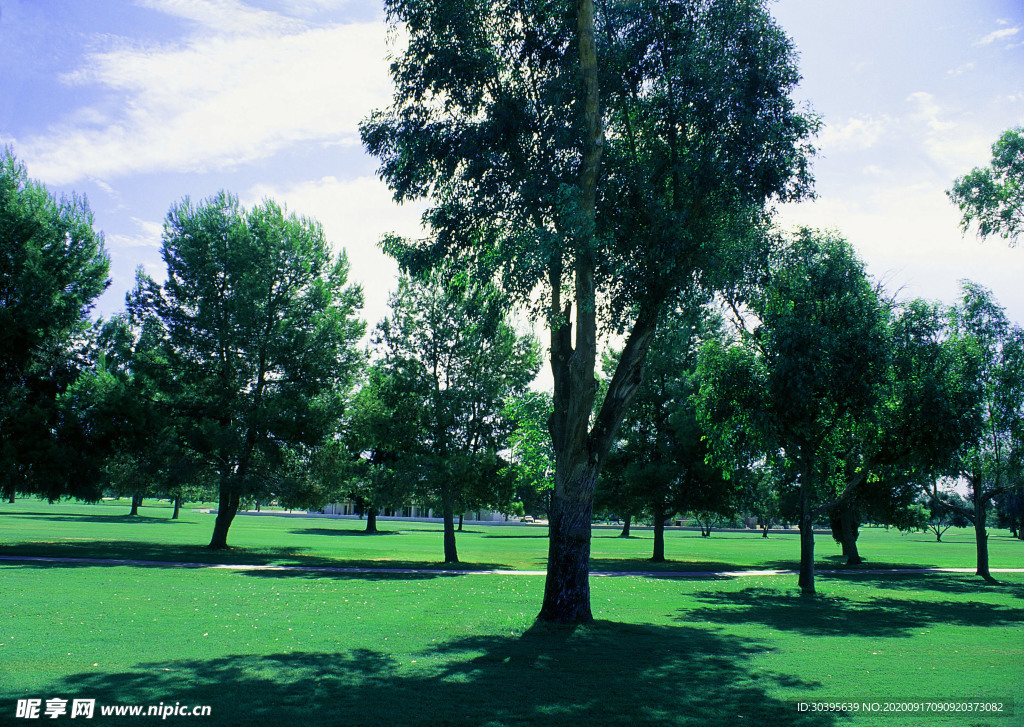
258, 333
993, 197
449, 364
52, 268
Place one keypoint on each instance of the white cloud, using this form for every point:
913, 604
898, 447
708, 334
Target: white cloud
147, 234
928, 110
355, 214
910, 238
854, 134
216, 101
960, 70
224, 16
998, 35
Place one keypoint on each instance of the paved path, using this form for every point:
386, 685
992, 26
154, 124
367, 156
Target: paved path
343, 570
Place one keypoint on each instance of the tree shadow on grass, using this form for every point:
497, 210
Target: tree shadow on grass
838, 563
338, 532
960, 583
668, 566
162, 552
143, 518
824, 615
265, 564
604, 674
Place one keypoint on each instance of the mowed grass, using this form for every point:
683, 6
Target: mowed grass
279, 647
30, 527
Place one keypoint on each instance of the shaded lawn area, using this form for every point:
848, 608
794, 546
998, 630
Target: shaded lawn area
105, 530
272, 648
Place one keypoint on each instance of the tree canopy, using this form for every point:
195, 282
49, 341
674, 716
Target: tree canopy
53, 266
993, 197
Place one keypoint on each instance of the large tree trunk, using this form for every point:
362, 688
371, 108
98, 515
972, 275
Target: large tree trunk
658, 556
136, 503
567, 586
806, 579
177, 507
845, 529
625, 526
451, 555
227, 507
371, 520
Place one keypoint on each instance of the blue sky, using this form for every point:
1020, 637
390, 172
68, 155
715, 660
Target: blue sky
138, 103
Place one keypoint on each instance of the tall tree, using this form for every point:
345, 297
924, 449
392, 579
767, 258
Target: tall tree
594, 215
993, 197
454, 362
991, 458
259, 331
52, 268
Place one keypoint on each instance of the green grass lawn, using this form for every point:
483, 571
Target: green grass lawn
282, 648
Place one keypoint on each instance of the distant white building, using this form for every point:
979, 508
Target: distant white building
347, 508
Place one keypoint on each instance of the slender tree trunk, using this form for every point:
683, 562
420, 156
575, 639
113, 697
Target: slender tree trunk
451, 554
227, 507
625, 526
177, 506
10, 498
806, 580
461, 515
981, 534
136, 503
371, 520
659, 536
764, 530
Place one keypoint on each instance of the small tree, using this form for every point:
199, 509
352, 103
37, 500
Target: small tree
453, 362
531, 458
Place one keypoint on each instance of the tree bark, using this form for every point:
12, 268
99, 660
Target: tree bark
136, 503
625, 526
371, 520
227, 507
177, 507
461, 515
981, 534
567, 586
843, 520
658, 555
806, 579
451, 554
